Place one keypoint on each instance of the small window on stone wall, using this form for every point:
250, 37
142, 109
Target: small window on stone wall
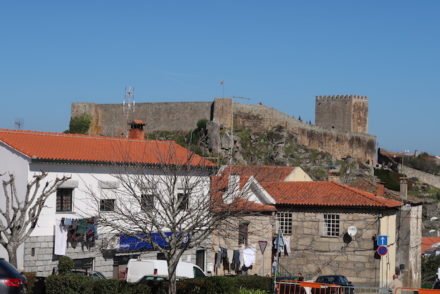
284, 220
331, 225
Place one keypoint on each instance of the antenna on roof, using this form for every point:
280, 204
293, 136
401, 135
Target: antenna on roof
19, 123
128, 105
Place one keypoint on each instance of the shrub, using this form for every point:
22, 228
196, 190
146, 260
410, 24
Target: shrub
65, 264
255, 282
80, 124
70, 284
219, 285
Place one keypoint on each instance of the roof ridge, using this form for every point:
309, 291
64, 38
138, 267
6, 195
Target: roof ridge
362, 193
68, 135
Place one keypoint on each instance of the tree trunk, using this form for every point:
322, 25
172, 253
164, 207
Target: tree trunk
172, 267
12, 253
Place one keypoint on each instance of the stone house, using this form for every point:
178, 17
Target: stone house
92, 163
315, 218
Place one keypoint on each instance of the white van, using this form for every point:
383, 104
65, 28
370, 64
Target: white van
139, 268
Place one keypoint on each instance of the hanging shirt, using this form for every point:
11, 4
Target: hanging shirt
249, 256
60, 238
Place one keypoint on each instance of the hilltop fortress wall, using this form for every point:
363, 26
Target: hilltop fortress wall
109, 120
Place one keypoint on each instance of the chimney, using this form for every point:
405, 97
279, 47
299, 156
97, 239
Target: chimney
380, 190
136, 131
403, 188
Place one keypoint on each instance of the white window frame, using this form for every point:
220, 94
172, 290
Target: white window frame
285, 222
331, 225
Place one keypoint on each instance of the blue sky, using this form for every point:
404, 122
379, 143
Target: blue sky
280, 53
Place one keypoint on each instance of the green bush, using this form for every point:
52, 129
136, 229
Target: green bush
255, 282
65, 264
70, 284
220, 285
80, 124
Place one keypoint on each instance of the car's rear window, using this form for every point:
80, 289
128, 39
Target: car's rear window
7, 270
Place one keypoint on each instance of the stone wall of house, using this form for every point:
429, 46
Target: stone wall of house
313, 254
260, 229
44, 261
409, 244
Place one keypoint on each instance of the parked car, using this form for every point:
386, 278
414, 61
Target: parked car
11, 281
141, 268
345, 286
436, 285
92, 274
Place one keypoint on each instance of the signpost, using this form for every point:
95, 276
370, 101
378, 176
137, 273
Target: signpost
382, 240
382, 250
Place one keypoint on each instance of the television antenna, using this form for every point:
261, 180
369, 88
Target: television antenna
19, 123
128, 105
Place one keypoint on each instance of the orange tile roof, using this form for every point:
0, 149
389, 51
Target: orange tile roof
325, 194
262, 173
427, 243
81, 148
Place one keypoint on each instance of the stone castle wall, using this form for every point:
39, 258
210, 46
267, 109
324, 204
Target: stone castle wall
339, 144
109, 120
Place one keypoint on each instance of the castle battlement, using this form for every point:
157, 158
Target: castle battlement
326, 98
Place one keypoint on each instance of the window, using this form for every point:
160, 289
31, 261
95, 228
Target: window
284, 220
107, 205
331, 225
243, 232
183, 201
64, 200
147, 201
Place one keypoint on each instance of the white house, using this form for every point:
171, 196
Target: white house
92, 164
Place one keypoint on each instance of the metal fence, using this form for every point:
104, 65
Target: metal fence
295, 287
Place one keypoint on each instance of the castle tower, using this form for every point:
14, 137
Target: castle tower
346, 113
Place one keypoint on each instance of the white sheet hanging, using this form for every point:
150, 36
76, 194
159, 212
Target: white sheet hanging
60, 238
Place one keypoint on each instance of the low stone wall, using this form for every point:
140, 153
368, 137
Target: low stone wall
427, 178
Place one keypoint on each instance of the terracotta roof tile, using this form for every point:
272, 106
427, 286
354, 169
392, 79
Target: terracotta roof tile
428, 242
82, 148
324, 194
262, 173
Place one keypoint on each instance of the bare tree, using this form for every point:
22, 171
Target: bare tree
173, 200
20, 213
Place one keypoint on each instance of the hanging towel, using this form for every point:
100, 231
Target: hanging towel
60, 238
287, 245
249, 256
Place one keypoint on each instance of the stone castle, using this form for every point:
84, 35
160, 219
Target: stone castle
341, 121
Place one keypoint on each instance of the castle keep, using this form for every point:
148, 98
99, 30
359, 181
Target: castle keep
341, 121
346, 113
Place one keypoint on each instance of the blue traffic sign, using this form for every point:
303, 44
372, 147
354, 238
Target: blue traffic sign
382, 250
382, 240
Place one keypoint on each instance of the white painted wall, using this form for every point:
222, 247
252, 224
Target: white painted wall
17, 164
388, 262
88, 178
